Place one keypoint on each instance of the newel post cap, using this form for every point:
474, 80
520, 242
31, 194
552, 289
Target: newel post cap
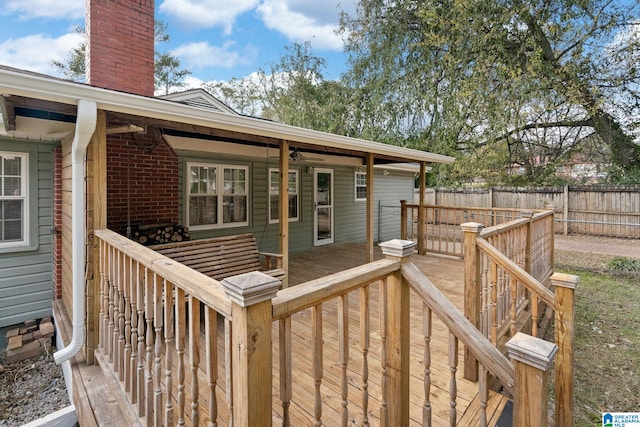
532, 351
471, 227
398, 248
250, 288
563, 280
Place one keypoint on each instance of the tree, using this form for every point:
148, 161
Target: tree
168, 74
73, 66
293, 91
470, 78
167, 70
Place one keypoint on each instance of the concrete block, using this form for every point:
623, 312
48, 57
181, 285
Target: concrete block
47, 329
13, 332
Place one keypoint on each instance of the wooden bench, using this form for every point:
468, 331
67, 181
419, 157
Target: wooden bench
220, 257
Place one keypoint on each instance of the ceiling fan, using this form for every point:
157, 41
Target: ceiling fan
297, 156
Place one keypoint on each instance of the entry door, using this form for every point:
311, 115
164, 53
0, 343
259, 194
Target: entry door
323, 206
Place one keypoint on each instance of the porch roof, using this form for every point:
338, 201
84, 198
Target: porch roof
21, 83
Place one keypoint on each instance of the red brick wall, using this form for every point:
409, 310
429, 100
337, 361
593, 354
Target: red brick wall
151, 179
120, 36
57, 223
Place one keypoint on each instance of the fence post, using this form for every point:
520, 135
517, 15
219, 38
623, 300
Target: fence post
532, 359
397, 327
472, 287
251, 310
403, 220
565, 286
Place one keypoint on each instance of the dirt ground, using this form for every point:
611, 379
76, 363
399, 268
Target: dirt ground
592, 252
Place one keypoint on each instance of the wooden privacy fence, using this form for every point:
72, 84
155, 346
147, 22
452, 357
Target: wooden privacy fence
594, 209
177, 368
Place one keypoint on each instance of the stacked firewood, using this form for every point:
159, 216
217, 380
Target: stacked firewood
156, 234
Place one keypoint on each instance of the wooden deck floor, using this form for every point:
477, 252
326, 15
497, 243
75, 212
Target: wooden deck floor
445, 273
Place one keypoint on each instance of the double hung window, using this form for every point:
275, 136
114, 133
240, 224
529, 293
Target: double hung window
14, 219
217, 195
274, 195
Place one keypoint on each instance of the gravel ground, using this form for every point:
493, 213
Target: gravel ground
33, 388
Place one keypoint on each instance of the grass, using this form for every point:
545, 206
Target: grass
607, 353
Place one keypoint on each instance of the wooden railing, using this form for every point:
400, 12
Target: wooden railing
526, 243
436, 229
152, 334
508, 275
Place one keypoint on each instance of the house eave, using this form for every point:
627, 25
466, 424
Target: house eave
20, 83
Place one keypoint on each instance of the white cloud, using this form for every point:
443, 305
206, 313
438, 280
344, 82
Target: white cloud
27, 52
302, 21
57, 9
207, 13
200, 55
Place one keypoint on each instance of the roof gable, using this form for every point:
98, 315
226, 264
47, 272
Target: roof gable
199, 98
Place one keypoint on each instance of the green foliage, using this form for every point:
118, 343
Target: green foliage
624, 264
73, 66
168, 74
504, 86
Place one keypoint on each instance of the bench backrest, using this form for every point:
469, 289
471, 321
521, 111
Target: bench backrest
217, 257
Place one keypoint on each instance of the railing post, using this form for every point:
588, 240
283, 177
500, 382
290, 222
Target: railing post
472, 286
397, 348
251, 353
565, 286
403, 220
529, 243
532, 359
552, 233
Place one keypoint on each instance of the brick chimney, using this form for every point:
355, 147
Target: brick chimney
120, 51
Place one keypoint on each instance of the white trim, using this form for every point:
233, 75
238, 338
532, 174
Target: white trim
356, 185
22, 83
219, 194
297, 180
24, 196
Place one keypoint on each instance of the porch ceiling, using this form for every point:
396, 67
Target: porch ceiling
25, 90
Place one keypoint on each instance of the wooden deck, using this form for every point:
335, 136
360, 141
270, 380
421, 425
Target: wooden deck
445, 272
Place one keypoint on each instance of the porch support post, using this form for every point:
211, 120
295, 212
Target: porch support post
472, 287
532, 359
422, 211
96, 220
370, 161
565, 286
403, 220
397, 327
283, 210
251, 354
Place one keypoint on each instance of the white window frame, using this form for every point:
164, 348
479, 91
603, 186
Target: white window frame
219, 193
277, 193
356, 185
24, 196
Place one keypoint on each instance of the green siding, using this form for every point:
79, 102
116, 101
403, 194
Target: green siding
26, 289
349, 214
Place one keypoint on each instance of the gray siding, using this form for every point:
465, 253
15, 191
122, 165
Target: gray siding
26, 289
349, 214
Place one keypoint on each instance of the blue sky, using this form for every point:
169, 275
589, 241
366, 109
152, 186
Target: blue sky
215, 39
